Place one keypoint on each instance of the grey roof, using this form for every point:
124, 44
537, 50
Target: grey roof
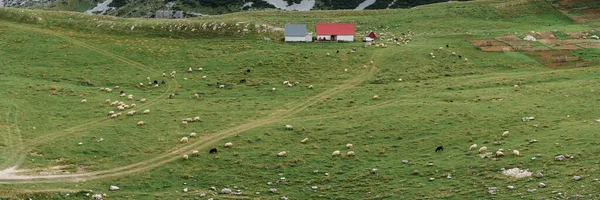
295, 30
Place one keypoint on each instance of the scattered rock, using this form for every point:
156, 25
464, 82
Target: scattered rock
449, 176
97, 197
492, 190
431, 179
559, 158
542, 185
113, 188
213, 188
516, 173
533, 141
510, 187
202, 195
314, 187
531, 190
283, 198
185, 189
430, 164
539, 175
226, 191
576, 178
405, 161
273, 190
526, 119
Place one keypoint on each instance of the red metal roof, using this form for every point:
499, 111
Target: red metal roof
335, 29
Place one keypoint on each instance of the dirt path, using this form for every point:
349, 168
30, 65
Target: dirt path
13, 139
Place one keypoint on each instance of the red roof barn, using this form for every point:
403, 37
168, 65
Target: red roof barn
335, 32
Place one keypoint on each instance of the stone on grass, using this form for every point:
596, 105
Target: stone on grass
273, 190
516, 173
113, 188
226, 191
405, 161
542, 185
531, 190
559, 158
492, 190
576, 178
97, 197
510, 187
539, 175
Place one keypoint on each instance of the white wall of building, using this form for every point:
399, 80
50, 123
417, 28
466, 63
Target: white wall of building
339, 37
295, 39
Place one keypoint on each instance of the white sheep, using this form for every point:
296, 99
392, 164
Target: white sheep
107, 101
141, 84
140, 123
516, 152
472, 147
466, 60
228, 145
350, 153
122, 95
375, 97
505, 133
117, 87
118, 114
83, 101
203, 77
221, 86
349, 146
156, 85
310, 87
197, 96
273, 89
499, 153
120, 108
173, 72
130, 97
286, 82
111, 112
131, 113
108, 90
289, 127
185, 157
305, 140
190, 70
125, 106
172, 75
200, 69
282, 154
197, 118
114, 116
482, 149
335, 153
148, 78
143, 100
164, 74
195, 153
192, 134
132, 105
146, 112
184, 123
101, 89
184, 140
188, 119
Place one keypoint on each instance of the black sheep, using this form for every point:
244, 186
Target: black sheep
162, 82
440, 148
155, 82
213, 150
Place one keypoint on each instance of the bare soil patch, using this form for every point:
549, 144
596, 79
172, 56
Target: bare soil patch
555, 58
491, 45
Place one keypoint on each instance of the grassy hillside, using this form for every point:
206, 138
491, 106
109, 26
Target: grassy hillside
66, 149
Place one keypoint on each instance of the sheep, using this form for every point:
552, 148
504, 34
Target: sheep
108, 90
203, 77
131, 113
453, 53
185, 157
289, 127
466, 60
130, 97
113, 116
195, 153
505, 134
125, 106
482, 149
289, 85
305, 140
184, 140
499, 153
111, 112
142, 84
148, 78
107, 101
310, 87
472, 147
143, 100
286, 82
101, 89
123, 94
349, 146
192, 134
117, 87
221, 86
516, 152
282, 154
120, 107
197, 118
140, 123
335, 153
156, 85
189, 119
184, 123
350, 153
200, 69
172, 75
146, 112
375, 97
83, 101
173, 72
164, 74
118, 114
190, 70
345, 70
197, 96
273, 89
132, 105
228, 145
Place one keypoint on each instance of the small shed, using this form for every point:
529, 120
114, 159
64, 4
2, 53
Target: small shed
370, 37
296, 33
335, 32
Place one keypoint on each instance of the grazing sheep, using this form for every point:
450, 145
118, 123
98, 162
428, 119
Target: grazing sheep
350, 153
130, 97
348, 146
173, 72
140, 123
146, 112
156, 85
482, 149
184, 140
141, 84
335, 153
114, 116
466, 60
505, 133
117, 87
184, 123
305, 140
516, 152
164, 74
282, 154
192, 134
440, 148
132, 105
118, 114
143, 100
499, 153
213, 150
185, 157
120, 108
310, 87
195, 153
123, 94
453, 53
290, 85
190, 70
200, 69
101, 89
83, 101
289, 127
286, 82
197, 96
472, 147
107, 101
111, 112
172, 75
375, 97
188, 119
197, 118
108, 90
273, 89
125, 106
131, 113
148, 78
221, 86
228, 145
203, 77
171, 96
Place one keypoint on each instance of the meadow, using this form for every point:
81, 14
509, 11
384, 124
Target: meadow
65, 149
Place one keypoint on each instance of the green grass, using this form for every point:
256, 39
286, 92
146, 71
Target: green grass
49, 65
